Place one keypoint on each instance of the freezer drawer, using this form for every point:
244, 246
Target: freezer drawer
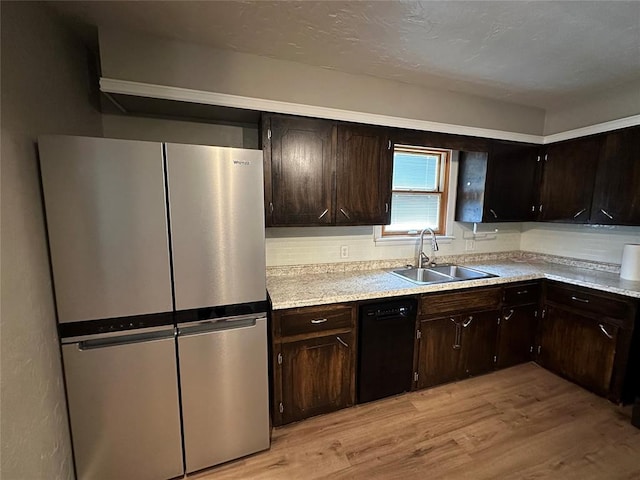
224, 380
123, 404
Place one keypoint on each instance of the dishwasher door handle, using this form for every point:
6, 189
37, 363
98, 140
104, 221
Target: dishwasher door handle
231, 323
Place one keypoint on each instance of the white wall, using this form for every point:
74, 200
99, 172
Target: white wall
601, 244
44, 90
136, 57
163, 130
620, 102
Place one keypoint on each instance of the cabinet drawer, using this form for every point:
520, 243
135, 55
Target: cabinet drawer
588, 302
522, 294
459, 302
298, 321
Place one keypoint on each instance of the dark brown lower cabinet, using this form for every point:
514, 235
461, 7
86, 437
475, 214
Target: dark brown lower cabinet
439, 351
586, 337
314, 361
316, 376
517, 334
479, 332
579, 348
456, 347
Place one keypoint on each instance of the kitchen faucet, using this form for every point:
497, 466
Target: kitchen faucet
422, 258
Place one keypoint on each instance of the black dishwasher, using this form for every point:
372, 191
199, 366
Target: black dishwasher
386, 339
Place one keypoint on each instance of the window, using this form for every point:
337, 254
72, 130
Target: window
419, 190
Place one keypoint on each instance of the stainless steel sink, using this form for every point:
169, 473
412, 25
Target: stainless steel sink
440, 274
461, 273
422, 275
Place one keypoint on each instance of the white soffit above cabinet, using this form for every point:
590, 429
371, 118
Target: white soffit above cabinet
138, 89
539, 54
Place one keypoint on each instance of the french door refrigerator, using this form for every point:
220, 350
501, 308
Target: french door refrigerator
157, 253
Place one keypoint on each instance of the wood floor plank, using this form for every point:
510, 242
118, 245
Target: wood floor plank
520, 423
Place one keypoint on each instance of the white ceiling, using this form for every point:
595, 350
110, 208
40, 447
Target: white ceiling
536, 53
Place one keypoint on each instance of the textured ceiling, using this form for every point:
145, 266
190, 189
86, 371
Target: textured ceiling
533, 53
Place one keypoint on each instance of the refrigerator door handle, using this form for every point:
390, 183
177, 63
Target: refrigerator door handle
125, 339
219, 325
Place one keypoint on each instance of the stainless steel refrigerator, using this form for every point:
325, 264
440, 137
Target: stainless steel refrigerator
158, 262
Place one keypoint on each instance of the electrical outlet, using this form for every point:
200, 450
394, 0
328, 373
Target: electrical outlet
470, 245
344, 251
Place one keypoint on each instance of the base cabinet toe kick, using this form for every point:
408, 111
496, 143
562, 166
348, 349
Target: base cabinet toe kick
323, 355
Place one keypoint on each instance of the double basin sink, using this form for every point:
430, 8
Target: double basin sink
440, 274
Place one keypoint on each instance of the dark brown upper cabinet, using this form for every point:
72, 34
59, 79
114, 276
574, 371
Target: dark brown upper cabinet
616, 194
299, 168
363, 184
568, 178
499, 185
322, 172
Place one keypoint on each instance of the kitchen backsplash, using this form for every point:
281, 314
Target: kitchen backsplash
314, 245
600, 244
310, 245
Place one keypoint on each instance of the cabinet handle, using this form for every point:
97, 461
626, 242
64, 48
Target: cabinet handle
389, 145
607, 214
345, 213
582, 300
580, 213
509, 315
326, 210
456, 341
604, 330
318, 320
495, 215
468, 321
342, 342
271, 207
522, 292
386, 208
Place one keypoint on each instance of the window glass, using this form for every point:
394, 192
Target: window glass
419, 190
414, 171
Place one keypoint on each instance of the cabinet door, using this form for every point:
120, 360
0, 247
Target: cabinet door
512, 182
616, 196
317, 376
567, 184
516, 335
439, 351
302, 166
479, 333
363, 185
579, 348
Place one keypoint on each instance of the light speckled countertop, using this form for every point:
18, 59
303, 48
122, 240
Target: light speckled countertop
306, 289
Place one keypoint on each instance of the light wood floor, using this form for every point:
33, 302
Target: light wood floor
520, 423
